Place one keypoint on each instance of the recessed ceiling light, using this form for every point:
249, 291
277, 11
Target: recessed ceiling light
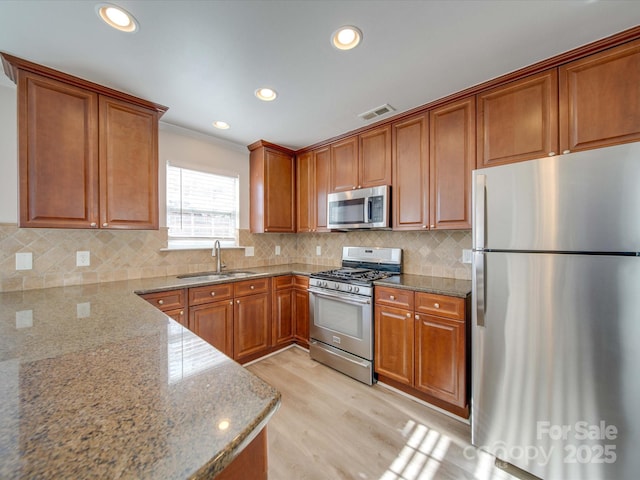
117, 17
221, 125
346, 38
266, 94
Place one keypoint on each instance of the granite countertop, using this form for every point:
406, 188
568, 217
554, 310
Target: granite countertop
442, 286
97, 383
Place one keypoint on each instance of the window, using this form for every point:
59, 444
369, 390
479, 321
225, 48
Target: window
201, 207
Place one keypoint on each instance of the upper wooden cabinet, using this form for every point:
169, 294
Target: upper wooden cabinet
410, 192
362, 161
375, 157
344, 164
518, 121
272, 188
305, 192
88, 155
600, 99
452, 153
312, 188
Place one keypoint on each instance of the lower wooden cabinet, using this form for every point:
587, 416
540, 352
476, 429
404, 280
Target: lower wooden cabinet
251, 327
171, 302
301, 310
421, 346
290, 310
213, 322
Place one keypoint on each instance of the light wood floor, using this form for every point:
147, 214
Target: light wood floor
330, 426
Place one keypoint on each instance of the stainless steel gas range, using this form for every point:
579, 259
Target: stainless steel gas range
341, 309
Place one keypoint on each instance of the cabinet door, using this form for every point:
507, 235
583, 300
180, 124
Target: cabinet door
452, 133
322, 160
410, 195
128, 166
344, 164
179, 316
375, 157
282, 316
279, 192
600, 99
518, 121
213, 322
301, 316
251, 326
58, 153
305, 193
440, 358
394, 339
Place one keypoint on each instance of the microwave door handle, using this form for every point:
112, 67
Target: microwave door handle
368, 211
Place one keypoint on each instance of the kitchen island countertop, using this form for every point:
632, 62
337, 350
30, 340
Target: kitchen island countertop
97, 383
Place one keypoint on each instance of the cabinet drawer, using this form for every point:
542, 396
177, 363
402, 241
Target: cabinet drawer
284, 281
250, 287
394, 297
165, 301
210, 293
301, 281
440, 305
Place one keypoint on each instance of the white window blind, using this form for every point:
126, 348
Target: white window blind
201, 205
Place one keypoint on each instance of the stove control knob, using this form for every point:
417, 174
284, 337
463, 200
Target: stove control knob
336, 286
350, 288
356, 289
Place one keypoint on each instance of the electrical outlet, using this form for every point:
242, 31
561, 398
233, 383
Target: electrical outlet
83, 310
248, 251
466, 256
277, 249
24, 261
83, 259
24, 319
318, 250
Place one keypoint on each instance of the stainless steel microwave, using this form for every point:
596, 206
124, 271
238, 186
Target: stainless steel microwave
361, 208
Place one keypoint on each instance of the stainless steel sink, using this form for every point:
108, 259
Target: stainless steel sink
204, 276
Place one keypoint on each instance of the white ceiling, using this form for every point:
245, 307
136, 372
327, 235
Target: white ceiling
204, 59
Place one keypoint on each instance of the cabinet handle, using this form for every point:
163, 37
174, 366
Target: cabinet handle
424, 226
551, 154
238, 302
93, 225
231, 302
252, 287
213, 294
408, 314
432, 226
181, 312
160, 302
417, 317
105, 224
564, 152
436, 305
392, 297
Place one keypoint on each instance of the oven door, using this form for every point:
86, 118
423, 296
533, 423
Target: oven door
342, 320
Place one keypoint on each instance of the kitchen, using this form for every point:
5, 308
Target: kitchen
437, 253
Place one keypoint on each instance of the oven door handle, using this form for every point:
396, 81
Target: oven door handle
341, 296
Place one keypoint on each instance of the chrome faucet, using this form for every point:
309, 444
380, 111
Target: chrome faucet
216, 252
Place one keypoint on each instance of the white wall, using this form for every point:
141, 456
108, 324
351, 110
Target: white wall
8, 156
190, 148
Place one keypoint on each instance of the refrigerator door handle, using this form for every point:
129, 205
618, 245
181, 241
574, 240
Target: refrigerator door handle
479, 288
479, 200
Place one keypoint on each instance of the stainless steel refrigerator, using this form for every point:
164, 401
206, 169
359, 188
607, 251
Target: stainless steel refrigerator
556, 317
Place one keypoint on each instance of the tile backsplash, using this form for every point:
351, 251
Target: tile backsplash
130, 254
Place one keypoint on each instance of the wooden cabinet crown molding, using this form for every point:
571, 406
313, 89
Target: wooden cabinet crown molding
12, 65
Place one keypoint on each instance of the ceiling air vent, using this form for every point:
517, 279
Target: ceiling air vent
377, 112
